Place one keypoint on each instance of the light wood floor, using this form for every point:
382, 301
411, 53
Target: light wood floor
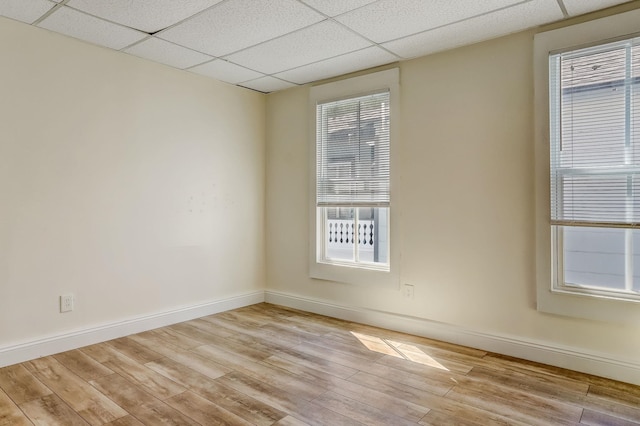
264, 365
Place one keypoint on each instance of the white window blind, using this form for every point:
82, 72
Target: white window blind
595, 135
352, 142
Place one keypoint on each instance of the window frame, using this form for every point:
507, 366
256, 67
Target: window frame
552, 295
349, 272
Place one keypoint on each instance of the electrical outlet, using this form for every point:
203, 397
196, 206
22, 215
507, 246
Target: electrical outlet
408, 291
66, 303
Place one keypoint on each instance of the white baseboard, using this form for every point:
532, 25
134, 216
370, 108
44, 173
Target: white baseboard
543, 352
63, 342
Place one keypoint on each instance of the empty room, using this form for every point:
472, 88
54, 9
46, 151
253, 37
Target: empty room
319, 212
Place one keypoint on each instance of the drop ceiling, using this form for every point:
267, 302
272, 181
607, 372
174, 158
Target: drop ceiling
269, 45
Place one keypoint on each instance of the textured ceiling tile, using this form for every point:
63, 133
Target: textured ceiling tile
80, 25
516, 18
336, 7
144, 15
578, 7
25, 10
349, 62
387, 20
226, 71
236, 24
267, 84
321, 41
167, 53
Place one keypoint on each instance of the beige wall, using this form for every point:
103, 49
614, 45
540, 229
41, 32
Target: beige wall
135, 186
466, 202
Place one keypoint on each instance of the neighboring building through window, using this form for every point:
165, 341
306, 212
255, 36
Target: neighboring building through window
594, 110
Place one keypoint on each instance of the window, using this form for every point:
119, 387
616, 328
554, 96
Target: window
587, 146
595, 167
352, 179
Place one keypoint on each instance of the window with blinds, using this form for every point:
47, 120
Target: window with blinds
353, 152
353, 179
594, 113
595, 135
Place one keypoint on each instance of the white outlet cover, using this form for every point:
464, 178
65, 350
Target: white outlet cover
66, 303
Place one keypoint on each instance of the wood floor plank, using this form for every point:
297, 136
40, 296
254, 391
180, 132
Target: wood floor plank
82, 364
264, 331
159, 413
398, 389
518, 406
364, 413
441, 403
204, 411
242, 405
307, 389
531, 366
152, 341
92, 405
426, 382
210, 328
301, 409
315, 363
322, 352
125, 421
612, 408
612, 394
174, 338
245, 317
10, 414
180, 373
594, 418
535, 384
154, 383
123, 392
20, 385
205, 386
290, 421
50, 410
199, 363
432, 372
463, 418
134, 350
258, 340
101, 352
344, 347
390, 402
193, 332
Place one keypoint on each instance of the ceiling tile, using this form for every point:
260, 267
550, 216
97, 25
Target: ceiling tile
387, 20
167, 53
336, 7
88, 28
349, 62
226, 71
236, 24
516, 18
25, 10
267, 84
149, 16
321, 41
578, 7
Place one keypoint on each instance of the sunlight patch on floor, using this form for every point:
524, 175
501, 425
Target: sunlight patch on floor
398, 350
